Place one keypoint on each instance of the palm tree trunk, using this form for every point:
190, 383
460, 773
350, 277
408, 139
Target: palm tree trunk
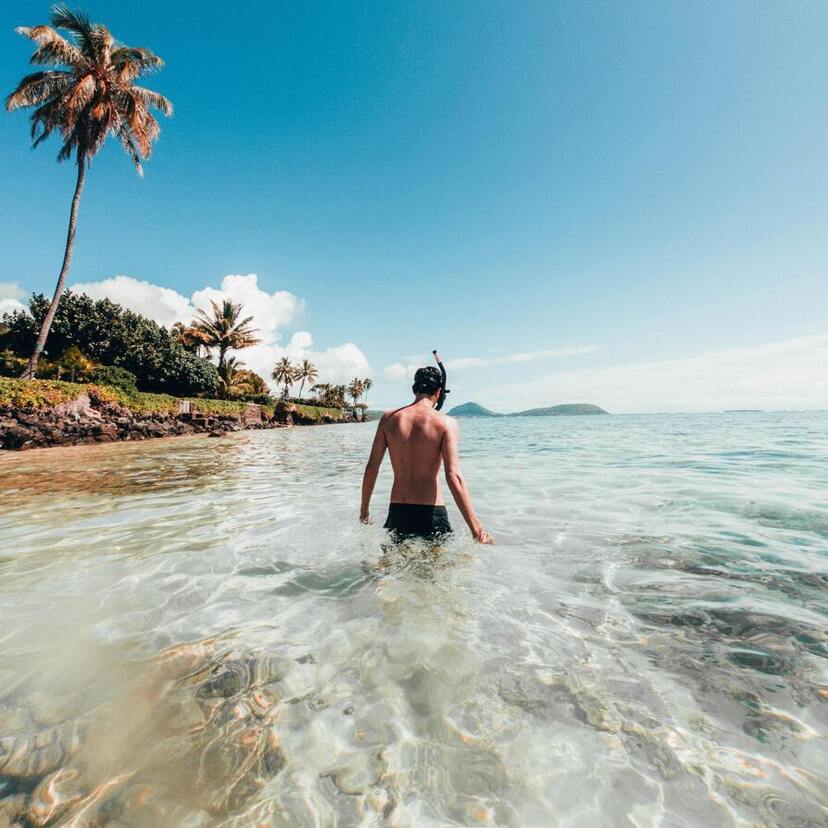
31, 366
301, 388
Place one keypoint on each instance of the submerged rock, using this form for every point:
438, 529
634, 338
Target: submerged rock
31, 757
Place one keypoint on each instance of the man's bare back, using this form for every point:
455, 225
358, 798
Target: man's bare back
420, 439
414, 436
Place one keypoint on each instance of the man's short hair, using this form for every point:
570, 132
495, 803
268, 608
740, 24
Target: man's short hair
427, 380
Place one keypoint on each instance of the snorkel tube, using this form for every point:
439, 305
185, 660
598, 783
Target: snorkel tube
443, 389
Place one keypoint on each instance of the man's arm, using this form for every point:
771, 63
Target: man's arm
372, 468
456, 483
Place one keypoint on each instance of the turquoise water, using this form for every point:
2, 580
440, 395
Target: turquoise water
198, 632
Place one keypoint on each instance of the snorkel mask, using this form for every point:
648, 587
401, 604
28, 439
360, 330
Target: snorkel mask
443, 389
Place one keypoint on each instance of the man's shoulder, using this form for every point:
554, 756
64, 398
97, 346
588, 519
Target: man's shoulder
389, 414
448, 422
443, 423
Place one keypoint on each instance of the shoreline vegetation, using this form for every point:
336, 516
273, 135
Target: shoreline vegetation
44, 413
131, 378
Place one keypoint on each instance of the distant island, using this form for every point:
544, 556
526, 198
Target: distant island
473, 409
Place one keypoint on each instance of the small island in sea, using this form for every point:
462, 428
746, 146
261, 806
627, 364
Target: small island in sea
473, 409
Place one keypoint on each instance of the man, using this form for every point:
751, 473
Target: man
418, 439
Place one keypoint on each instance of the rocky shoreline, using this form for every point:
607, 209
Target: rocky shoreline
87, 420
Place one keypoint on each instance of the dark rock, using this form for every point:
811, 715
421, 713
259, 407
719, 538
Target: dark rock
28, 419
89, 419
109, 430
18, 437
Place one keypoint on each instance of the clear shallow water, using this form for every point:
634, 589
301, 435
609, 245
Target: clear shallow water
198, 632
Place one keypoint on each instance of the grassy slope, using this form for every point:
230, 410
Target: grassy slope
49, 393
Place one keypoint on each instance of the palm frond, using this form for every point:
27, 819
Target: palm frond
131, 62
94, 97
153, 99
102, 42
53, 49
70, 144
80, 94
45, 119
39, 87
128, 143
76, 22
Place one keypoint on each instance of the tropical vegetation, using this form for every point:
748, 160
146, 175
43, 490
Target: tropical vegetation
330, 395
99, 342
356, 389
284, 372
107, 335
85, 92
306, 372
38, 394
224, 329
88, 93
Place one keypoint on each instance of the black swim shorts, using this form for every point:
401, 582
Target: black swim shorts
406, 520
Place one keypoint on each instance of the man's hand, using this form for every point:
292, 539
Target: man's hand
481, 536
365, 518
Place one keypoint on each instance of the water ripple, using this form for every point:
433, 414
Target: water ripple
199, 632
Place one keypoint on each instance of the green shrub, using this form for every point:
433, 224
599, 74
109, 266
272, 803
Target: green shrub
145, 403
17, 393
316, 412
30, 394
220, 407
108, 334
115, 377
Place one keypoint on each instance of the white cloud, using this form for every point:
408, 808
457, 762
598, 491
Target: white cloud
10, 305
482, 362
10, 295
271, 313
404, 371
11, 290
398, 372
164, 305
791, 374
300, 341
339, 364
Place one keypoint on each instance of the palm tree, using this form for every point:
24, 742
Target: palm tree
224, 329
306, 371
355, 390
322, 392
187, 337
90, 94
367, 385
284, 372
256, 384
232, 381
239, 382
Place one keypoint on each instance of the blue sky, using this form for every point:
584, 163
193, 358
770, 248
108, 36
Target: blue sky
641, 189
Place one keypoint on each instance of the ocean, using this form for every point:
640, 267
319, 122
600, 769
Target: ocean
199, 632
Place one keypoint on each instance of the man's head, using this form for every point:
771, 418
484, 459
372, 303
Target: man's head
427, 381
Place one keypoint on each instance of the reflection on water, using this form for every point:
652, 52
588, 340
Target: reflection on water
199, 632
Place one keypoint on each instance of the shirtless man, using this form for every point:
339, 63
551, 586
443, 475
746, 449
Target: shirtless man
419, 439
